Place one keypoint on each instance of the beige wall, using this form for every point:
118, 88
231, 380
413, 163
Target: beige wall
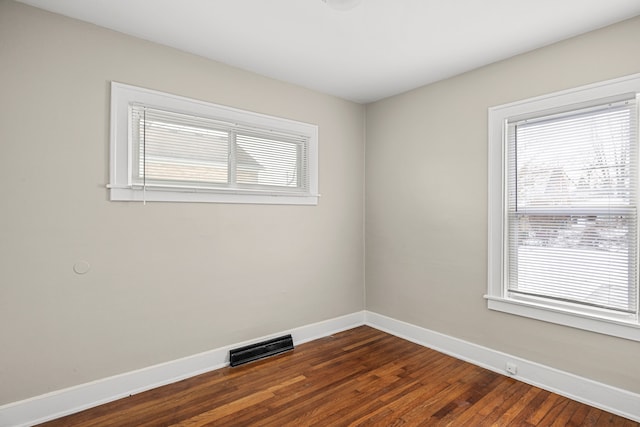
426, 205
166, 280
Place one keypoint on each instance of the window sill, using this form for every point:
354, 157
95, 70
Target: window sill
599, 324
133, 194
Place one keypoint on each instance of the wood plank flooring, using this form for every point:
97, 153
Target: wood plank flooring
360, 377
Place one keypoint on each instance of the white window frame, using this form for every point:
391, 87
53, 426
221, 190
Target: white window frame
497, 296
121, 188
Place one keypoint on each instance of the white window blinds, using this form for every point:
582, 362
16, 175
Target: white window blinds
177, 150
571, 225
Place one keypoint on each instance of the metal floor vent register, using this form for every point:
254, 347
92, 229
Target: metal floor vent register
260, 350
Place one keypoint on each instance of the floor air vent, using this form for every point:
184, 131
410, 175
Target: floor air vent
260, 350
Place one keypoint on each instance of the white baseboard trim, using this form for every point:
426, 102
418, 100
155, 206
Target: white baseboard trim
67, 401
608, 398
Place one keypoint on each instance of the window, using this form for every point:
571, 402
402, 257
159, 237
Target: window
563, 202
170, 148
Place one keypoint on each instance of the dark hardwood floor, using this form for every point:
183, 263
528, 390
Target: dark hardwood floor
360, 377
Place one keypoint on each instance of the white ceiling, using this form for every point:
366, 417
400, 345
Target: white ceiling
380, 48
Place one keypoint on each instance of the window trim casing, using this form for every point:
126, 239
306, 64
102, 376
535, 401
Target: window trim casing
121, 189
610, 90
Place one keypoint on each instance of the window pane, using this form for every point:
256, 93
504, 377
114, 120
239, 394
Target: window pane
581, 258
178, 148
269, 161
579, 160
